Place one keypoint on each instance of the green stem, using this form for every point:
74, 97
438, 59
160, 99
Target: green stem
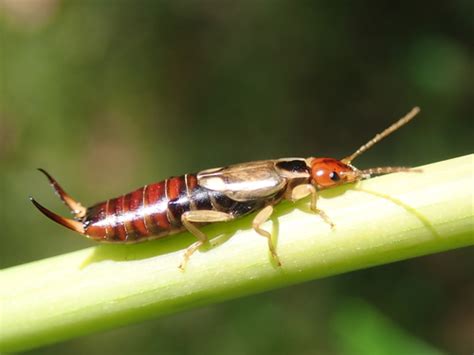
394, 217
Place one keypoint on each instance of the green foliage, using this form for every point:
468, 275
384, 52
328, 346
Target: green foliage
112, 95
361, 329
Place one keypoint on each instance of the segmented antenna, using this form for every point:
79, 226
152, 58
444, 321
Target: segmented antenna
378, 137
366, 173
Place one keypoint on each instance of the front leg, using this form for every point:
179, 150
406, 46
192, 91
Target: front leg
302, 191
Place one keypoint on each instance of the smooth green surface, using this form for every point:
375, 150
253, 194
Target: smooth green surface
381, 220
374, 334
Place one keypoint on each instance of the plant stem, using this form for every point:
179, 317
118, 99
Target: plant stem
381, 220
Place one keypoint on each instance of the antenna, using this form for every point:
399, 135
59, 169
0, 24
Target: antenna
378, 137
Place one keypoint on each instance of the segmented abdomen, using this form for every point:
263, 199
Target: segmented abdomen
155, 210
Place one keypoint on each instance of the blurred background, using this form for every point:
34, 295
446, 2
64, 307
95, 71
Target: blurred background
111, 95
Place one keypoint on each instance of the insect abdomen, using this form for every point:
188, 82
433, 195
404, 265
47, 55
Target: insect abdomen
155, 210
151, 211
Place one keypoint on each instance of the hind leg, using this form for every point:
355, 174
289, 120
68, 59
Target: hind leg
204, 216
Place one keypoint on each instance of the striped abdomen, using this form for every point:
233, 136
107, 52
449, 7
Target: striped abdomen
155, 210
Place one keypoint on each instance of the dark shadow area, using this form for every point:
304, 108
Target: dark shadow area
157, 247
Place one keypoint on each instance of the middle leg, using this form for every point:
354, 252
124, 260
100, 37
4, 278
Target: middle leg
259, 219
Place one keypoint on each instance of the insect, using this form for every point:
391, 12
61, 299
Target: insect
215, 195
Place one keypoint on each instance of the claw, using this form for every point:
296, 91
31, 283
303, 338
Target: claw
76, 208
66, 222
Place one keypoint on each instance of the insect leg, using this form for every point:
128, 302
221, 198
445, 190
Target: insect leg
301, 191
203, 216
259, 219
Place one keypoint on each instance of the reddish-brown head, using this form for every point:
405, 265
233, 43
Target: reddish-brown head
329, 172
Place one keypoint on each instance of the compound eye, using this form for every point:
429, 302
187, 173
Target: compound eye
334, 176
326, 178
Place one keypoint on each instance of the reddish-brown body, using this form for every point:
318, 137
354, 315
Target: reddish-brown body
138, 214
155, 210
215, 195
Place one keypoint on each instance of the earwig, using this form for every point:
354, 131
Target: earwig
215, 195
